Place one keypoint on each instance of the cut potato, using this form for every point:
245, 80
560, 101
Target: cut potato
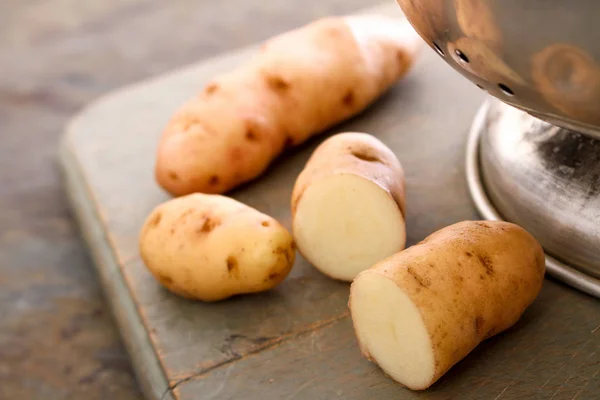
348, 205
211, 247
393, 331
419, 312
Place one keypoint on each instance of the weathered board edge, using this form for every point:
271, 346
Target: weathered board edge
149, 372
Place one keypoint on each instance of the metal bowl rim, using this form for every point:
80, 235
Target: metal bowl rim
484, 206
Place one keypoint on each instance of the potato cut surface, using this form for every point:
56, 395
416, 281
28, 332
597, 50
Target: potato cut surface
345, 223
391, 323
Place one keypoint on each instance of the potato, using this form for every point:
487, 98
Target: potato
211, 247
301, 83
348, 205
419, 312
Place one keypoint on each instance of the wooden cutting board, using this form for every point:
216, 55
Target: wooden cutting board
296, 341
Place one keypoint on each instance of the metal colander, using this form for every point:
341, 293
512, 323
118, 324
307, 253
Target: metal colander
541, 56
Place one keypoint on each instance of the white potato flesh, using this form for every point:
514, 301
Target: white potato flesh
345, 223
391, 330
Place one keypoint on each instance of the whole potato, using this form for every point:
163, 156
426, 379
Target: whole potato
301, 83
211, 247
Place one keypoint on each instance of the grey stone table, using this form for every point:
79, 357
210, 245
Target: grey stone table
57, 337
296, 341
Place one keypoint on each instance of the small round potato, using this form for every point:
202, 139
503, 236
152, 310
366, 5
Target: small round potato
211, 247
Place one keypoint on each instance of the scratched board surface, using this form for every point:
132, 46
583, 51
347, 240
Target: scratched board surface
296, 341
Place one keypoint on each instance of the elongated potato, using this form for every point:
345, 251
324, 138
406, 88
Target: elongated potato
211, 247
419, 312
301, 83
348, 205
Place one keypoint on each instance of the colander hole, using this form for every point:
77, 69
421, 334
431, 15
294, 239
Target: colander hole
438, 49
506, 90
481, 87
463, 57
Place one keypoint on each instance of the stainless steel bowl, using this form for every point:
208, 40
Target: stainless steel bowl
544, 178
542, 56
533, 156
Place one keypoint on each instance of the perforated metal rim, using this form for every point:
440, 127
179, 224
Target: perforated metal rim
554, 267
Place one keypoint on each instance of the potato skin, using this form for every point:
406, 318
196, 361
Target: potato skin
355, 153
301, 83
211, 247
470, 281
